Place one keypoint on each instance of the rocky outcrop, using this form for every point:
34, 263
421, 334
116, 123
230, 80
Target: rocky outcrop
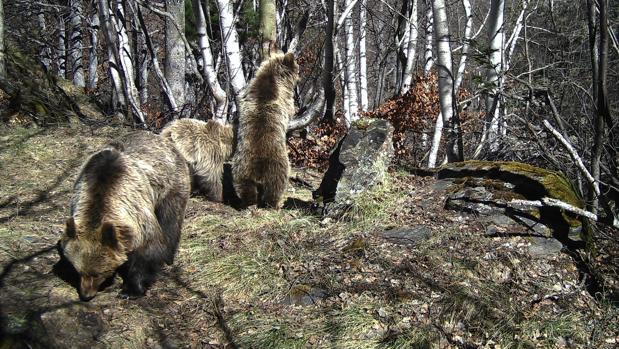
357, 164
491, 189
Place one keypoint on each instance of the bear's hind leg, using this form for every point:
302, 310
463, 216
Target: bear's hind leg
247, 192
273, 191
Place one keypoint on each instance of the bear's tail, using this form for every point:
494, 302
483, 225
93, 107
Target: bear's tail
105, 167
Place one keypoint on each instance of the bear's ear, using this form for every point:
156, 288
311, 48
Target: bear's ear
70, 228
289, 60
108, 235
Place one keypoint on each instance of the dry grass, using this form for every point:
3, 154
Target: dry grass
243, 276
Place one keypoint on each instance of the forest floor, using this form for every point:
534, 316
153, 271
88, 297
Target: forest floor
288, 279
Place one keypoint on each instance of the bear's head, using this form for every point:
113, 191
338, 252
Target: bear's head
289, 69
95, 254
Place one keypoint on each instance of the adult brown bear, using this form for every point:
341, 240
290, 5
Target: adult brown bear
260, 165
127, 212
205, 146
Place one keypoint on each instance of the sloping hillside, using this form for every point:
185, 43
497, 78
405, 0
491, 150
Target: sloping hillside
406, 274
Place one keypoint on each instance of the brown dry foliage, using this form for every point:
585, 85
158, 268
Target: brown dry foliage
314, 149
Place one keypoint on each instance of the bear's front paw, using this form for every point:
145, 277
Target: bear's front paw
132, 292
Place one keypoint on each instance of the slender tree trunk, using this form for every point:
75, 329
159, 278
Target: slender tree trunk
327, 77
494, 73
231, 46
445, 82
268, 28
593, 46
363, 69
411, 50
75, 43
428, 56
142, 60
120, 63
45, 53
468, 29
93, 59
163, 83
61, 51
603, 110
175, 51
351, 66
209, 64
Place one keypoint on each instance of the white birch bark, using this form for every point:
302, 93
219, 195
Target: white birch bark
142, 60
351, 66
231, 46
61, 56
513, 39
363, 69
118, 46
93, 59
342, 72
445, 77
468, 29
208, 64
75, 43
175, 51
45, 53
124, 54
163, 83
411, 48
428, 56
494, 72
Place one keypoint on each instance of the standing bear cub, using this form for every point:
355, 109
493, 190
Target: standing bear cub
126, 213
260, 165
205, 146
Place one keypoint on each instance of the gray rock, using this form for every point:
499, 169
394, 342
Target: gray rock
544, 247
441, 185
408, 235
358, 163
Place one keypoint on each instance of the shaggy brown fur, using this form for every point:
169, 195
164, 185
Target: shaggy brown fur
205, 146
127, 212
260, 165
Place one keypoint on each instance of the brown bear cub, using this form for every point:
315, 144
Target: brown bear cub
126, 214
260, 165
205, 146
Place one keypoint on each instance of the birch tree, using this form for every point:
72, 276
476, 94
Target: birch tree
75, 43
268, 27
429, 27
45, 52
468, 29
208, 64
175, 51
121, 66
93, 58
410, 43
363, 65
231, 48
61, 52
494, 73
351, 65
445, 82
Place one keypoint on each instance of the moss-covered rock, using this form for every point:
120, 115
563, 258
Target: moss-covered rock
503, 182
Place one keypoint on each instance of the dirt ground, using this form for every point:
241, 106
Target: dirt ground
289, 279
